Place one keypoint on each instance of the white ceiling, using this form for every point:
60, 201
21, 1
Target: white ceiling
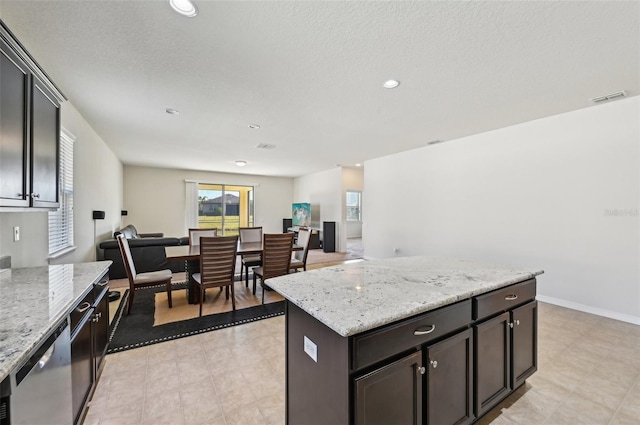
310, 73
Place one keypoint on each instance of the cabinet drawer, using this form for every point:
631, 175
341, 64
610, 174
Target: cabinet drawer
379, 344
99, 289
503, 299
81, 309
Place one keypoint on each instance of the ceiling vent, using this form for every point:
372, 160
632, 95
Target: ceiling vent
435, 142
611, 96
265, 146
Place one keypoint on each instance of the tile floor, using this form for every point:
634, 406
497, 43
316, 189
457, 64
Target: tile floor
588, 373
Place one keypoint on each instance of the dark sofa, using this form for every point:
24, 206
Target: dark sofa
147, 250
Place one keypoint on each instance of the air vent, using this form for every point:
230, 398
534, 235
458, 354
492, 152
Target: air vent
435, 142
608, 97
265, 146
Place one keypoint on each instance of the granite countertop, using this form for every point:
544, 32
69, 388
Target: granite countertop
35, 299
353, 298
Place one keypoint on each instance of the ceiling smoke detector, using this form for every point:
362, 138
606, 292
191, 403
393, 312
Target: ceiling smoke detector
265, 146
172, 111
391, 84
254, 126
610, 96
241, 163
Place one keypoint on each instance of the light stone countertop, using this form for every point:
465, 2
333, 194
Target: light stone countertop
353, 298
35, 299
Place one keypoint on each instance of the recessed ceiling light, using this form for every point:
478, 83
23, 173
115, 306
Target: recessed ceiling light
241, 163
172, 111
358, 165
184, 7
391, 84
254, 125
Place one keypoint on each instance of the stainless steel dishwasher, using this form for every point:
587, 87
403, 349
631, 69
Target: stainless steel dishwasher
41, 387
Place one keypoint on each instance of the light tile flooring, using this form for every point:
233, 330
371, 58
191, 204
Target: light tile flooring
588, 373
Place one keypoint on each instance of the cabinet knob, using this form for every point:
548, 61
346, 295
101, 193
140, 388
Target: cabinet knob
35, 195
422, 370
433, 363
517, 322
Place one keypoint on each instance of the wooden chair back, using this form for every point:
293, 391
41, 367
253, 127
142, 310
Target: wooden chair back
276, 254
304, 238
196, 234
127, 258
218, 260
250, 234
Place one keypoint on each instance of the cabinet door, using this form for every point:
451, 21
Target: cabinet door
45, 133
492, 363
81, 364
525, 342
101, 327
14, 88
450, 380
391, 394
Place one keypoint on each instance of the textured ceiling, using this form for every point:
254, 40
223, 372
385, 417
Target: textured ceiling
311, 73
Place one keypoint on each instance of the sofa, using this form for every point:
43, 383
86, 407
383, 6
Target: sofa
147, 250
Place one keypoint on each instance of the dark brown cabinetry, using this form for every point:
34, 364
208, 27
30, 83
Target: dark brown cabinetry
450, 380
89, 341
14, 95
29, 130
375, 404
446, 366
45, 131
505, 343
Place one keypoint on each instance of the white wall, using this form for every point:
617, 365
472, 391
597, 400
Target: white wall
539, 194
155, 198
97, 186
352, 180
323, 189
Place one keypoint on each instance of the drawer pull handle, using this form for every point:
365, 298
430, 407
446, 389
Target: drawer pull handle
83, 307
511, 297
418, 332
103, 282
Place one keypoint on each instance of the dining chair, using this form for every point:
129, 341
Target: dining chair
141, 280
196, 234
276, 258
217, 265
299, 260
249, 234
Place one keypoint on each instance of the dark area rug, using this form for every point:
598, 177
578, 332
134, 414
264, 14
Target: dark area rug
137, 330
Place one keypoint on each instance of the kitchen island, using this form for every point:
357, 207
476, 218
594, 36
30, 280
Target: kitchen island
66, 303
406, 340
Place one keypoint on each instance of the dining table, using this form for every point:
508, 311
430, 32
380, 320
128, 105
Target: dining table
190, 254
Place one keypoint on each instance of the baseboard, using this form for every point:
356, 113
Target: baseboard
589, 309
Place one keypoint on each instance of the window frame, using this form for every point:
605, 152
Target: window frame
358, 206
60, 221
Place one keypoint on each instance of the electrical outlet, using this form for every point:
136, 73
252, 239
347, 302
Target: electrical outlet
16, 234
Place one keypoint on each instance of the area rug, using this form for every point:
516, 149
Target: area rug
137, 329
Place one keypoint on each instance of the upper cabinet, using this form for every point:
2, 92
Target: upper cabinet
29, 129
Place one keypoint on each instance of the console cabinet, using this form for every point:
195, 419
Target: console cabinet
29, 130
446, 366
89, 343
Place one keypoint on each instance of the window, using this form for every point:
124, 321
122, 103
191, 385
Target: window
61, 220
225, 207
354, 206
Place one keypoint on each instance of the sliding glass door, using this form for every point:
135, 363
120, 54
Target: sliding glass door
225, 207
